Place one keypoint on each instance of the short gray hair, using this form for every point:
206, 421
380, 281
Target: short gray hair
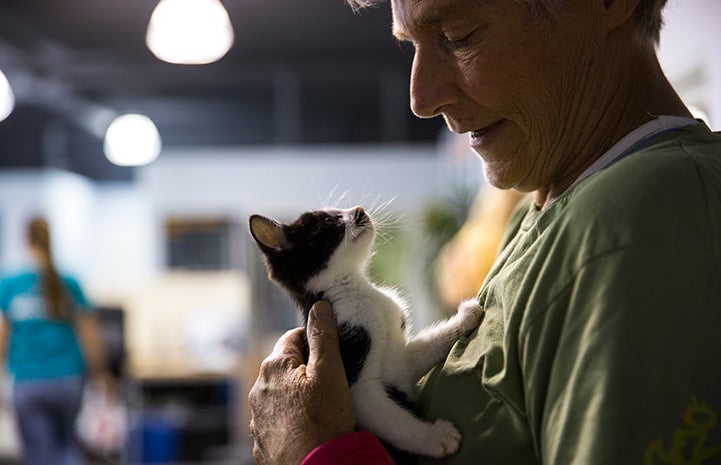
648, 15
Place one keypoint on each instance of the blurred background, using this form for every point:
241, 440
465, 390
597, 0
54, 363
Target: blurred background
304, 105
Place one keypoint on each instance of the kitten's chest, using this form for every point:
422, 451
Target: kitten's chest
375, 312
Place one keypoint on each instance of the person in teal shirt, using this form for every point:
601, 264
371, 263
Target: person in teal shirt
51, 341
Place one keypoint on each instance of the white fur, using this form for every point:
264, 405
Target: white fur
393, 358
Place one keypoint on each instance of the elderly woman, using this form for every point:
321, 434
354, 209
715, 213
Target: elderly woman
600, 340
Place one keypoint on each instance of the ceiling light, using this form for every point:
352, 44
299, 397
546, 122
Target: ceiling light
7, 98
132, 140
190, 32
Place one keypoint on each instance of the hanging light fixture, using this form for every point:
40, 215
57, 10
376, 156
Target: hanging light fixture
7, 98
132, 140
190, 32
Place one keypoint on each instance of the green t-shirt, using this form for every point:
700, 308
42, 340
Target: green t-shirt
601, 340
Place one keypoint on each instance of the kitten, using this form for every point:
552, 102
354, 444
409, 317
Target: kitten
322, 256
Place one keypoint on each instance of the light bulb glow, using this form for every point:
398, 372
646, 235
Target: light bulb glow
132, 140
189, 31
7, 98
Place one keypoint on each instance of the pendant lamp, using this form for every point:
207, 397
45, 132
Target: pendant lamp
7, 98
132, 140
190, 32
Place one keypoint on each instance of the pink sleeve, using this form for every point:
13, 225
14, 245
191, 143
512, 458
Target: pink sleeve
358, 448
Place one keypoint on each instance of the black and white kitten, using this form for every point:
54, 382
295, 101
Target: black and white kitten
323, 256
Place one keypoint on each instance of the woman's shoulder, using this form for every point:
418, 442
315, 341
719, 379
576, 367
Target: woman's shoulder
667, 195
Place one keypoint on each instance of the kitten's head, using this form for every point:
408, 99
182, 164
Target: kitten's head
308, 255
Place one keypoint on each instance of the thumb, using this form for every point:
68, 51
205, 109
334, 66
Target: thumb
324, 357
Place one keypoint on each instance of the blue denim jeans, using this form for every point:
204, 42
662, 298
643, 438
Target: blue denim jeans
46, 412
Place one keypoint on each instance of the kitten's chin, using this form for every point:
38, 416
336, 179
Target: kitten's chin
365, 233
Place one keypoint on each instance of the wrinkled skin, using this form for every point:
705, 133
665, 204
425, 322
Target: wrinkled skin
296, 406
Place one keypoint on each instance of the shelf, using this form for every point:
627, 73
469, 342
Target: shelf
176, 420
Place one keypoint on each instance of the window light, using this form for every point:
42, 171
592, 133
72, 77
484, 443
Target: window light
190, 32
132, 140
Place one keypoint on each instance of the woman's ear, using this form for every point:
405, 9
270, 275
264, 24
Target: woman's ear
618, 12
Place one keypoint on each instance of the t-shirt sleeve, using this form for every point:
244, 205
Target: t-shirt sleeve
79, 299
358, 448
623, 366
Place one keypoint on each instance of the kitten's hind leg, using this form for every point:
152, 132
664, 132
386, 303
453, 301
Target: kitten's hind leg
380, 415
432, 344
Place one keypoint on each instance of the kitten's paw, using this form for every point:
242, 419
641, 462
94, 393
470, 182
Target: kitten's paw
470, 313
445, 439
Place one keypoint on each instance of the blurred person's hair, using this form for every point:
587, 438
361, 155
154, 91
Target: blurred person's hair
54, 291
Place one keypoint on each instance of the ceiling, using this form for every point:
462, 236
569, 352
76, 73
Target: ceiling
300, 72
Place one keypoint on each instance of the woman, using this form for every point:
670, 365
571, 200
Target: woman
600, 338
51, 339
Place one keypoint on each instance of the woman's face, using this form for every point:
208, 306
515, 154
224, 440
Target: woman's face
521, 86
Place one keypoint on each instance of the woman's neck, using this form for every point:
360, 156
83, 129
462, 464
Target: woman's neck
643, 93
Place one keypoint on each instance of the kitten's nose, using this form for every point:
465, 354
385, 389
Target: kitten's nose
359, 215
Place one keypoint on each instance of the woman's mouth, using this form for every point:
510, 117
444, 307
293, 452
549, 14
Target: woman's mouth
483, 137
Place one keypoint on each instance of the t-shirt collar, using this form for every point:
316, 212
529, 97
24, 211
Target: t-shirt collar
634, 141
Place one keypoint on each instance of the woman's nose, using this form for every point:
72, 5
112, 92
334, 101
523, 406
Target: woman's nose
431, 83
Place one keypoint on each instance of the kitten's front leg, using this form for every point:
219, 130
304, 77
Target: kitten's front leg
432, 344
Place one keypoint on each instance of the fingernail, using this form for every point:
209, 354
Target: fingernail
321, 311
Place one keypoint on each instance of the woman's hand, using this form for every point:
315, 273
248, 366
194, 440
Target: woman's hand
295, 406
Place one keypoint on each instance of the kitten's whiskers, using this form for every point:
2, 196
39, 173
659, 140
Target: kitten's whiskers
387, 222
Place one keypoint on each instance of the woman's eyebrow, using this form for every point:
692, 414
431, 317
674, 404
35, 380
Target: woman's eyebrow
420, 15
421, 18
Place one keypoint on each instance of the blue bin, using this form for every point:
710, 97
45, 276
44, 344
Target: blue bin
155, 439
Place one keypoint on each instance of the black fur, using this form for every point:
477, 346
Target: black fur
400, 398
355, 343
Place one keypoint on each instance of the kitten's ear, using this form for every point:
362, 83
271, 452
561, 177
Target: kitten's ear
268, 233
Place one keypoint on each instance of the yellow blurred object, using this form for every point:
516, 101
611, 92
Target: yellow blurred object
463, 263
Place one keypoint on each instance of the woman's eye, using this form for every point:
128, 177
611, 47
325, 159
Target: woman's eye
458, 40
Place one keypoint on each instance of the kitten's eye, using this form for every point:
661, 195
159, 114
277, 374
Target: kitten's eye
329, 219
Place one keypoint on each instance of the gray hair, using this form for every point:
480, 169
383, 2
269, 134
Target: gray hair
648, 15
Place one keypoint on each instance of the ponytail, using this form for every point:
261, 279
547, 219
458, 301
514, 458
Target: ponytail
56, 295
